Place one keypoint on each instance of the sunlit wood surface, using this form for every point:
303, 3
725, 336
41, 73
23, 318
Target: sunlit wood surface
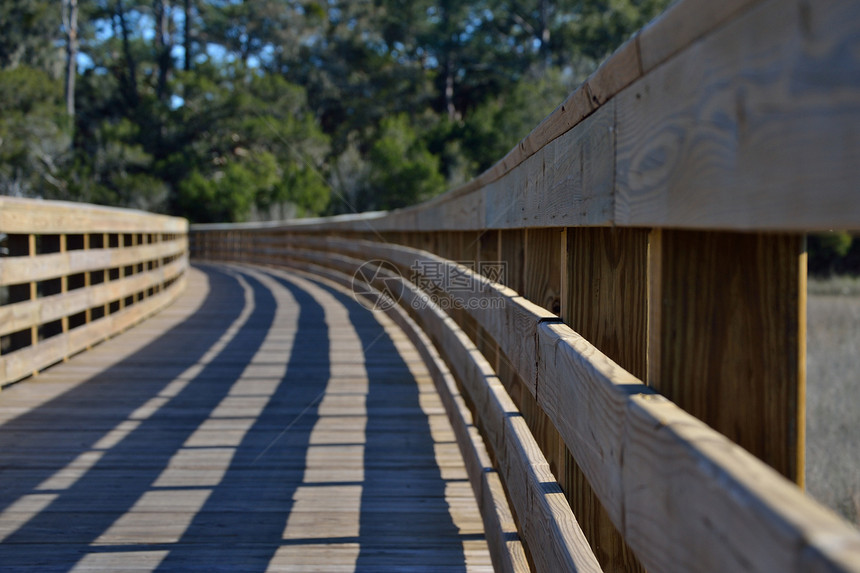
263, 422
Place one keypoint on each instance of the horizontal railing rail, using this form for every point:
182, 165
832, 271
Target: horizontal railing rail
621, 299
72, 275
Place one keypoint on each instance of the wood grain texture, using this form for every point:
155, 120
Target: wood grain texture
655, 304
608, 293
733, 512
591, 402
16, 270
546, 521
25, 361
512, 253
566, 182
160, 432
750, 128
506, 549
581, 392
17, 316
730, 318
652, 463
545, 517
607, 304
53, 217
543, 266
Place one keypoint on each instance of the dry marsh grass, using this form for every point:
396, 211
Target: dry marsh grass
833, 395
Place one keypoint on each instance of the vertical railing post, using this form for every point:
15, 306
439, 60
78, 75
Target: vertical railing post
731, 338
64, 287
34, 294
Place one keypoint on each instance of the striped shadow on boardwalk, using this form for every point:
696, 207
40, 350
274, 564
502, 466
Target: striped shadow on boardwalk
264, 422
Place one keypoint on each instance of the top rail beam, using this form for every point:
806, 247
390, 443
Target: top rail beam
28, 216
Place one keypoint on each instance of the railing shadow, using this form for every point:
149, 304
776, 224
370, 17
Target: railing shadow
58, 535
405, 517
237, 520
255, 497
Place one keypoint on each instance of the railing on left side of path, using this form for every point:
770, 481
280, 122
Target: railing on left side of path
72, 275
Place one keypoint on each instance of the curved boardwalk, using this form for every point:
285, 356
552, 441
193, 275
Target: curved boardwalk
264, 422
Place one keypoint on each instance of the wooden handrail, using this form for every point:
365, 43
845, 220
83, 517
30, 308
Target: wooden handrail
649, 325
75, 274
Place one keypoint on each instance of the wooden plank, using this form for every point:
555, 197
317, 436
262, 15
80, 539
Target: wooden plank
16, 270
506, 549
684, 496
489, 265
17, 316
546, 520
566, 392
22, 216
545, 516
655, 305
466, 213
607, 305
25, 361
730, 326
88, 281
616, 73
732, 512
696, 136
608, 297
566, 179
515, 323
567, 182
512, 254
64, 285
34, 293
543, 268
413, 506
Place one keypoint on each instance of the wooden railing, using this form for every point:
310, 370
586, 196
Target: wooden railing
72, 275
627, 326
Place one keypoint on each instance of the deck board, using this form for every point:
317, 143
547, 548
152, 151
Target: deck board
263, 422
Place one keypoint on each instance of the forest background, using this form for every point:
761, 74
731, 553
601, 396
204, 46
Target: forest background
231, 110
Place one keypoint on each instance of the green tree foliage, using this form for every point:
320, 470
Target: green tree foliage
836, 252
254, 137
402, 170
499, 124
33, 140
28, 31
234, 110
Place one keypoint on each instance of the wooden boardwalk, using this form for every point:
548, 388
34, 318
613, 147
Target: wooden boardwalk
264, 422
